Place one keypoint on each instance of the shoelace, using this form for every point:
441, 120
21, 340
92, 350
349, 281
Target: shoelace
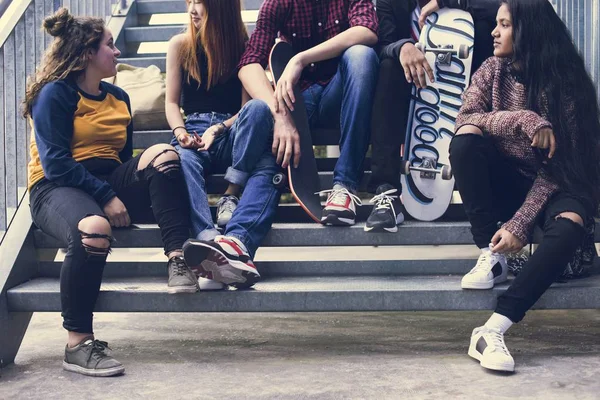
497, 340
338, 196
179, 266
483, 263
384, 200
226, 204
98, 350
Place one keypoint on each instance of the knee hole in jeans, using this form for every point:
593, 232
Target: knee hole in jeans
576, 218
469, 130
166, 161
95, 233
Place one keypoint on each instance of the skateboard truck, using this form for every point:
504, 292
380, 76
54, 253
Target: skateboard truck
445, 52
428, 168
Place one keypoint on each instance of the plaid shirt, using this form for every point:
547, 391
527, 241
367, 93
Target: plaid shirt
305, 24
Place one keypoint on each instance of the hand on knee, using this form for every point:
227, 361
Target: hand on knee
95, 234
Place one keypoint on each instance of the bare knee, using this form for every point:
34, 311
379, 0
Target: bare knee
572, 216
95, 234
469, 129
159, 156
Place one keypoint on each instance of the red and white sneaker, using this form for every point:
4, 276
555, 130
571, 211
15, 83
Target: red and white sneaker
224, 259
340, 208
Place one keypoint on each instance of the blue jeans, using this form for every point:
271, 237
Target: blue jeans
346, 103
243, 153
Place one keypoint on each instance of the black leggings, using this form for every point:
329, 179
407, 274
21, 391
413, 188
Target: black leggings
392, 99
492, 191
155, 193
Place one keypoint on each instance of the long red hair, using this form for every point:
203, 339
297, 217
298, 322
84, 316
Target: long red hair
222, 36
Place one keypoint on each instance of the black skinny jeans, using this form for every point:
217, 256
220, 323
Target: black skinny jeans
391, 107
492, 191
149, 195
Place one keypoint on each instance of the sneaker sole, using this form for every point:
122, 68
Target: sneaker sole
93, 372
498, 367
493, 366
196, 253
336, 221
208, 284
380, 229
182, 289
483, 285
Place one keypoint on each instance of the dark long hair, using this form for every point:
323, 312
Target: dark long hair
554, 74
66, 57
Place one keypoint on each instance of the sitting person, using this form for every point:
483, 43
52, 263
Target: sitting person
401, 64
335, 68
83, 178
526, 152
218, 136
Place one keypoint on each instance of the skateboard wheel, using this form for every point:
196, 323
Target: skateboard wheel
279, 180
463, 51
446, 172
420, 47
405, 167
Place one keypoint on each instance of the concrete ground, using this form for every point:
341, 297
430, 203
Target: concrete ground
311, 355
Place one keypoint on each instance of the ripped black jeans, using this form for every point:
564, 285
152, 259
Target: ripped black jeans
149, 195
492, 190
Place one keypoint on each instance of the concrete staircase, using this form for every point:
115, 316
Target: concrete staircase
305, 266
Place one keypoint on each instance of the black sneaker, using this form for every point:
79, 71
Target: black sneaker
90, 358
181, 278
387, 211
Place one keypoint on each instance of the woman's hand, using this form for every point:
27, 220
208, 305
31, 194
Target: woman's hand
544, 139
208, 137
505, 242
117, 213
415, 65
188, 141
426, 11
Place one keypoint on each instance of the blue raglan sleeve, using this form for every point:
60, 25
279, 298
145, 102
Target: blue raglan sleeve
127, 152
53, 112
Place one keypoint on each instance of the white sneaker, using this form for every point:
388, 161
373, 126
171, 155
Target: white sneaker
488, 347
209, 284
491, 268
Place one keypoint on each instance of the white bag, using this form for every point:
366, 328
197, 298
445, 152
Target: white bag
146, 89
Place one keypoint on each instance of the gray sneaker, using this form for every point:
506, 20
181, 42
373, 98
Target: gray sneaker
181, 277
90, 358
225, 208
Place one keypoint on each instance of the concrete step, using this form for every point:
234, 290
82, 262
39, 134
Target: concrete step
178, 6
309, 234
312, 234
145, 139
216, 184
121, 269
144, 62
160, 33
364, 293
